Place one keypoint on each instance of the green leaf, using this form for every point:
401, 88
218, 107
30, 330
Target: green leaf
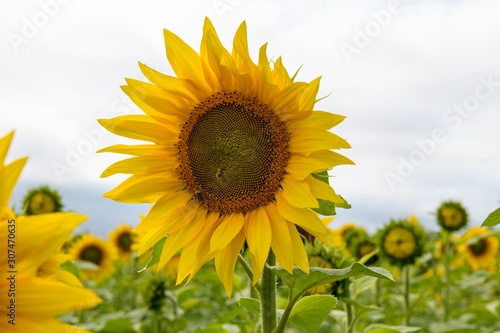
86, 265
492, 219
343, 204
295, 75
69, 266
156, 254
250, 304
118, 325
300, 282
323, 176
452, 326
311, 311
381, 328
326, 207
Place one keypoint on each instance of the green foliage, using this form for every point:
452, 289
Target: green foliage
493, 219
310, 311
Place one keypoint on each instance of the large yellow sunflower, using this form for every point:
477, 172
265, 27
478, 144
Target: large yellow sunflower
33, 288
97, 251
235, 144
124, 240
483, 253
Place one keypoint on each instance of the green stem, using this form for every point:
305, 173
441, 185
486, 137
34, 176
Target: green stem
376, 294
446, 289
157, 324
350, 317
248, 270
407, 277
286, 314
268, 296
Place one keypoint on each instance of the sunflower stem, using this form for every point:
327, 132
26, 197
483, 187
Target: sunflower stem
407, 277
268, 296
349, 317
446, 289
249, 272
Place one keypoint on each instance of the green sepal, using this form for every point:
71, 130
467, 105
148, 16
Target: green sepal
155, 254
493, 219
69, 266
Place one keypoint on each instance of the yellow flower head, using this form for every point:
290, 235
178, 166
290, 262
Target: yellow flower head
97, 251
124, 240
235, 144
46, 291
452, 216
483, 253
340, 233
42, 200
401, 242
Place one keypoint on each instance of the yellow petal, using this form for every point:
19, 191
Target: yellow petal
141, 165
226, 231
8, 179
185, 62
33, 301
330, 157
140, 189
308, 139
162, 208
281, 242
139, 128
175, 220
300, 167
225, 261
4, 146
279, 76
175, 86
298, 249
308, 97
258, 235
184, 236
194, 254
317, 119
140, 150
298, 193
240, 51
303, 217
322, 190
34, 247
286, 103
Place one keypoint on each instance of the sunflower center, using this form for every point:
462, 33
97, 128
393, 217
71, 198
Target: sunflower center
125, 241
478, 247
42, 203
232, 152
92, 254
400, 243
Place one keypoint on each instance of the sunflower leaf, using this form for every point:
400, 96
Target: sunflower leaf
69, 266
310, 311
323, 176
300, 282
344, 204
250, 304
492, 219
326, 208
155, 254
381, 328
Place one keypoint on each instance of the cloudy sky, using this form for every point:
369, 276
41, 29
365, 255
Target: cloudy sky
419, 82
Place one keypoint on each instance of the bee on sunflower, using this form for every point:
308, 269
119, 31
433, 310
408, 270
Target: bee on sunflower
452, 216
235, 148
42, 200
97, 251
480, 249
401, 242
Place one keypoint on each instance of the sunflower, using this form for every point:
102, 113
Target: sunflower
452, 216
97, 251
124, 240
46, 291
42, 200
235, 147
362, 247
401, 242
481, 254
340, 234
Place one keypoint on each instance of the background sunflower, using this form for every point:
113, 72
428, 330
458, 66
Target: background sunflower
97, 251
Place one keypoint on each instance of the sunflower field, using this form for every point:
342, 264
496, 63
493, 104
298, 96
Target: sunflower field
236, 162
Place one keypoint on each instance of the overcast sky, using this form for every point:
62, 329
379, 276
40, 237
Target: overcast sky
419, 82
